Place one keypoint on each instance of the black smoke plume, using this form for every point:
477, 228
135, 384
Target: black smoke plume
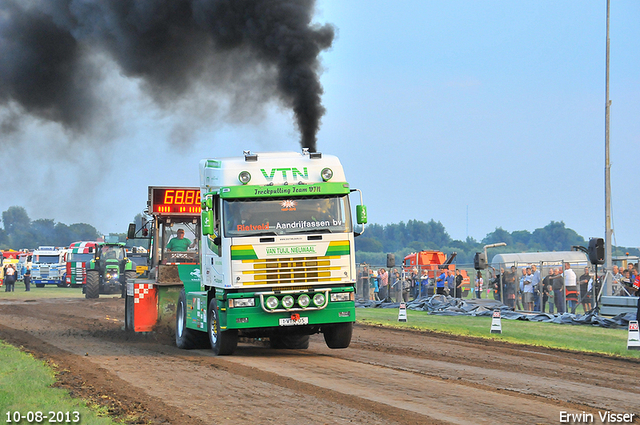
174, 48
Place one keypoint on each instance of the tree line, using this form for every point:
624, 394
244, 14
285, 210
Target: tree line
20, 232
402, 239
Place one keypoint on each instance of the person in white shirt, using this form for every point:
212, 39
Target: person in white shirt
571, 288
527, 291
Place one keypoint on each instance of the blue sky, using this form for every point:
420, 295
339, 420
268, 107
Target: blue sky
477, 114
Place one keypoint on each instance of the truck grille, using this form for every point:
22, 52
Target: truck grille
334, 265
291, 270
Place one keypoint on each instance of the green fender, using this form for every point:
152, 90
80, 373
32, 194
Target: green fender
128, 265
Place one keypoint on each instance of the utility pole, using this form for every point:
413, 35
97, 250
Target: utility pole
607, 178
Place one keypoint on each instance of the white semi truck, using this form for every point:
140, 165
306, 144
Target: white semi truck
48, 266
275, 253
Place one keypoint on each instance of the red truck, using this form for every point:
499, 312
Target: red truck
79, 255
434, 262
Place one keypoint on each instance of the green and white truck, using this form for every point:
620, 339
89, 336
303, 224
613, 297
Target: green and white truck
275, 253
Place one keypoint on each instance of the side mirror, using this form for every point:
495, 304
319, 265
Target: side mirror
131, 232
208, 227
361, 214
358, 229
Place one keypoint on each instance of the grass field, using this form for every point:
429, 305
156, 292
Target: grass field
26, 389
49, 291
568, 337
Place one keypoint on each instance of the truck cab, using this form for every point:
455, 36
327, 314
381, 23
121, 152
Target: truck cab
48, 266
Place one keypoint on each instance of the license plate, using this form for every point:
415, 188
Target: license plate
289, 322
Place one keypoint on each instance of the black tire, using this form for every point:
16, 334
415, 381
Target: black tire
128, 314
290, 342
338, 335
187, 339
223, 343
92, 288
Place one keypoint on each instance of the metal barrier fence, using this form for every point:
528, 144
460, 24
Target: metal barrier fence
409, 283
521, 286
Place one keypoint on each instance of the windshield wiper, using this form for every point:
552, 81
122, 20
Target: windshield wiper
259, 234
312, 231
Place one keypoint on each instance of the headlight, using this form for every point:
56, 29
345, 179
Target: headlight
272, 302
341, 296
287, 301
318, 299
326, 174
304, 300
244, 177
242, 302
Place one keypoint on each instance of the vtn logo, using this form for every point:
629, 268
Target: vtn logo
294, 173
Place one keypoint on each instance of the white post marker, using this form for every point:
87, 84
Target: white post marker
496, 323
402, 313
633, 343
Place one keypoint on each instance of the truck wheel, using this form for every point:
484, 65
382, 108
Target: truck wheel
128, 313
223, 343
290, 342
186, 338
93, 284
338, 335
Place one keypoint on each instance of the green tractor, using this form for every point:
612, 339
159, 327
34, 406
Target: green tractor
109, 271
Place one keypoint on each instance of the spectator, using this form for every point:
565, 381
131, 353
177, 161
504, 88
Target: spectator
586, 285
459, 281
496, 285
636, 286
27, 280
571, 288
451, 283
424, 283
415, 279
557, 283
627, 283
440, 281
547, 291
521, 291
405, 284
383, 278
536, 281
478, 284
373, 285
10, 276
510, 287
618, 287
527, 290
394, 284
632, 271
363, 278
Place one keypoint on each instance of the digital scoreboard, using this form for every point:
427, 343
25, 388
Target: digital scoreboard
174, 200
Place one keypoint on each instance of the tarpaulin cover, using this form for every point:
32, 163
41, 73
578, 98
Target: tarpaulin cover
448, 306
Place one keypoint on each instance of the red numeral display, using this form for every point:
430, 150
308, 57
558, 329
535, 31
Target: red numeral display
176, 201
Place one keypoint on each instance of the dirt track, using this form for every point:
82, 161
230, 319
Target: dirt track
385, 377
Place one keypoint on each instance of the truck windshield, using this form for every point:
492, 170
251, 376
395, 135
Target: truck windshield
47, 259
281, 216
112, 252
83, 258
